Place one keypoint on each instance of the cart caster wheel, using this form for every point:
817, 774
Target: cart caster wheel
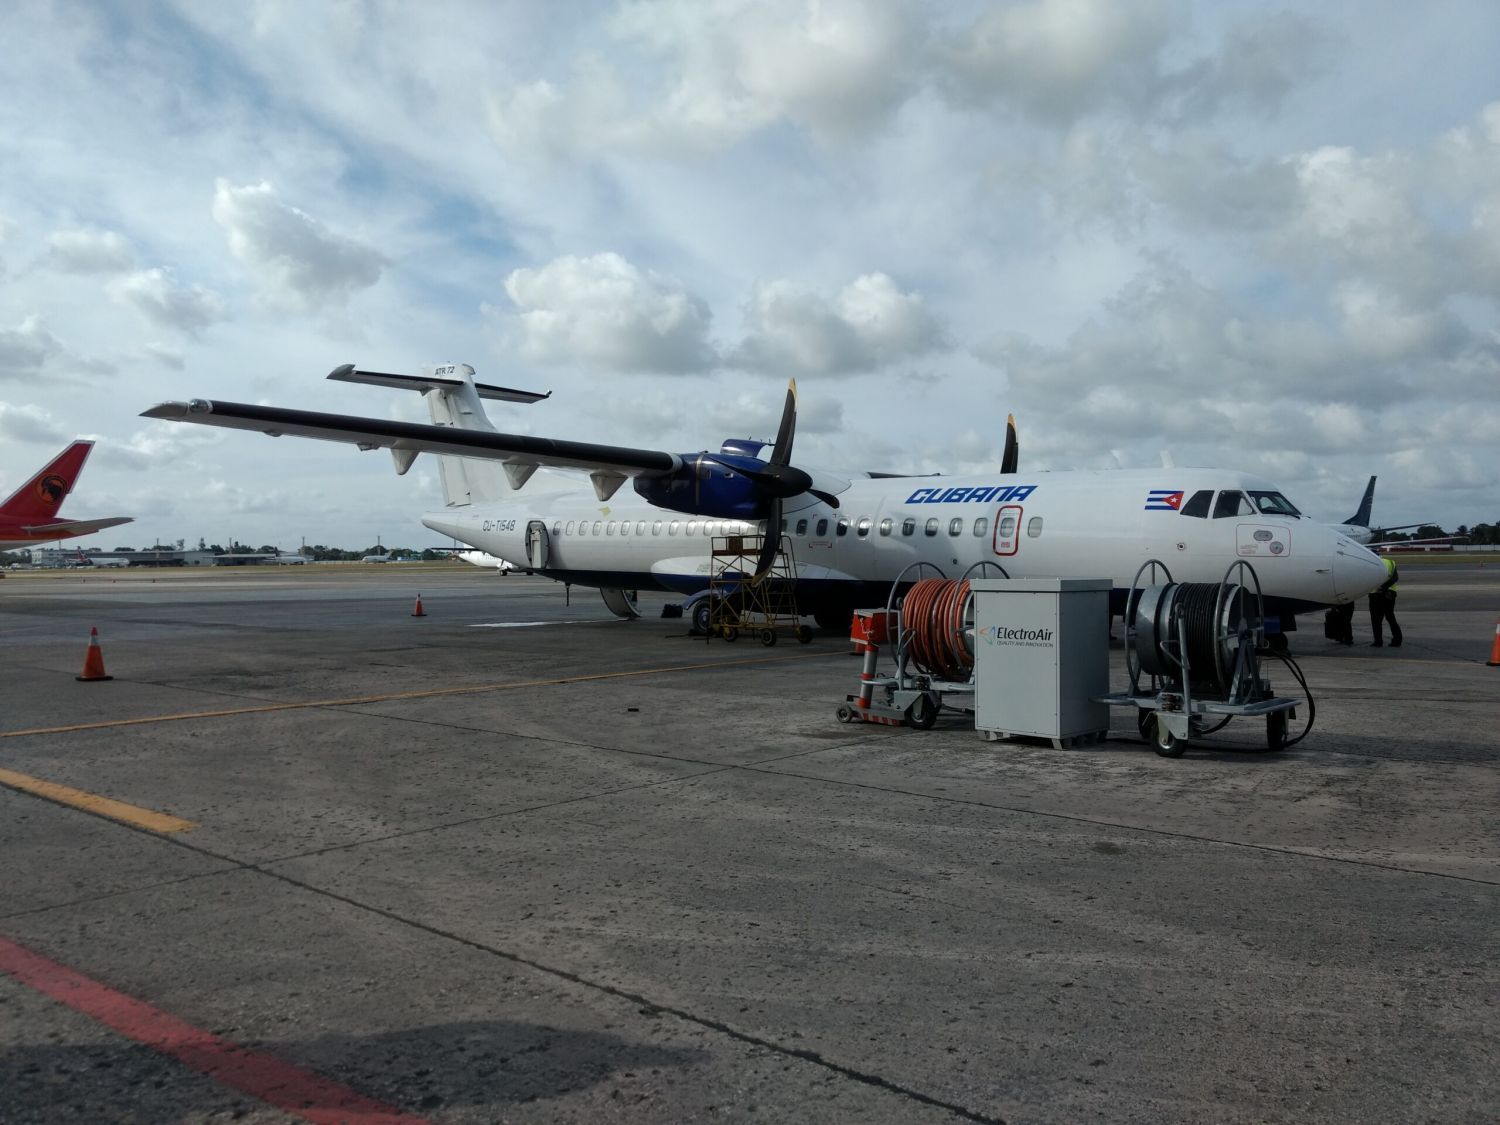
922, 713
845, 713
1276, 731
1168, 745
731, 633
768, 637
804, 635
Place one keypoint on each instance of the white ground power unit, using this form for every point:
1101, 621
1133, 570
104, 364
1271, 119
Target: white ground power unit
1041, 658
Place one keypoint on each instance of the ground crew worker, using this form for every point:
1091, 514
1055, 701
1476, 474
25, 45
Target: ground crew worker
1383, 606
1339, 624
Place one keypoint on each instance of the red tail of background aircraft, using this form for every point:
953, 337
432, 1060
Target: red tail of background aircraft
29, 516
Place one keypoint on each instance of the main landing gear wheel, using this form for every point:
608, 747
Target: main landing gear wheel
768, 637
1277, 642
1276, 731
703, 616
922, 713
1167, 744
804, 635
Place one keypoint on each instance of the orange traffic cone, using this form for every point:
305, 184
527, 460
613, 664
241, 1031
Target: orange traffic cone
93, 662
1494, 660
417, 610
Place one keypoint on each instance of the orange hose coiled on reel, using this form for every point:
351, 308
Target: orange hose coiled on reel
932, 623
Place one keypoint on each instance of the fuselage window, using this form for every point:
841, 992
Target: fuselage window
1006, 528
656, 528
692, 527
1274, 504
1230, 504
598, 527
1198, 504
886, 525
801, 527
673, 526
932, 527
556, 528
822, 527
908, 526
956, 526
1034, 527
609, 528
862, 528
570, 528
842, 527
640, 527
981, 525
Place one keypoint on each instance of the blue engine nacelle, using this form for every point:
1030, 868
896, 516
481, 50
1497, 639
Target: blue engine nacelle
708, 488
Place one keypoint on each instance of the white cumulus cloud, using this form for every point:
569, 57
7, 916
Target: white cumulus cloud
299, 262
605, 314
161, 299
87, 251
25, 349
29, 423
869, 324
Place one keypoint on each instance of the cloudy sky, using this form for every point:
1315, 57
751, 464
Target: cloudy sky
1260, 236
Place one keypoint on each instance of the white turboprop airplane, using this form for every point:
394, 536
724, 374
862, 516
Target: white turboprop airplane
851, 534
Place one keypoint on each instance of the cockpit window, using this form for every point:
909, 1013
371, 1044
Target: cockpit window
1230, 504
1274, 504
1198, 504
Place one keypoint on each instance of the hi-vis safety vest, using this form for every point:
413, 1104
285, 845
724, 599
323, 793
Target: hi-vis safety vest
1389, 585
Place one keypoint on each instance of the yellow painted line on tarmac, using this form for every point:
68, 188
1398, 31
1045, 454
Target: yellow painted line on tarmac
356, 700
92, 802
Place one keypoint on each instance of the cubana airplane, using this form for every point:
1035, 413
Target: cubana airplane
846, 536
29, 517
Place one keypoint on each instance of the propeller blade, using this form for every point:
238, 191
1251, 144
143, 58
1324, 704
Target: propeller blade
1011, 458
771, 542
827, 497
781, 452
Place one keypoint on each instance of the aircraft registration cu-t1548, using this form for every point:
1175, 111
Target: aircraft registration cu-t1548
848, 535
29, 516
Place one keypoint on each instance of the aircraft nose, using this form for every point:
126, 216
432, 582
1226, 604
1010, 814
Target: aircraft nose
1356, 570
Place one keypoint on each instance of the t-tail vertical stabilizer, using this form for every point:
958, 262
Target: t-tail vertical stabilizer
453, 400
1361, 518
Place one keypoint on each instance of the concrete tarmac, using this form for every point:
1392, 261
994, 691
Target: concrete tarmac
516, 860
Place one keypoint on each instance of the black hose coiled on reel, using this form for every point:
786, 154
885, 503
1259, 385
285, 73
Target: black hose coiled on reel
1197, 604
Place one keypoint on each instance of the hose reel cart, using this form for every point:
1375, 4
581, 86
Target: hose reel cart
931, 626
1192, 649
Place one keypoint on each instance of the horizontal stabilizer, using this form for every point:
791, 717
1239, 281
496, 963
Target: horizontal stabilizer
377, 433
64, 528
349, 374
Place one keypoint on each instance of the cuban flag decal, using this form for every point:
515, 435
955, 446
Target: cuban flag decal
1163, 500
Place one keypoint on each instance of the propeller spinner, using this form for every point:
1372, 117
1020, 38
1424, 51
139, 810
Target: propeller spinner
777, 480
739, 485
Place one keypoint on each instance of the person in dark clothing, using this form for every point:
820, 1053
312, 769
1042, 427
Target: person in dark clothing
1341, 624
1383, 606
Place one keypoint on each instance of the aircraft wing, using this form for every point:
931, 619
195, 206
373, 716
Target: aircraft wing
1414, 542
64, 528
411, 438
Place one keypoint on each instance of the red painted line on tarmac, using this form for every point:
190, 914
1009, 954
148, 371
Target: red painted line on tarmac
272, 1080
